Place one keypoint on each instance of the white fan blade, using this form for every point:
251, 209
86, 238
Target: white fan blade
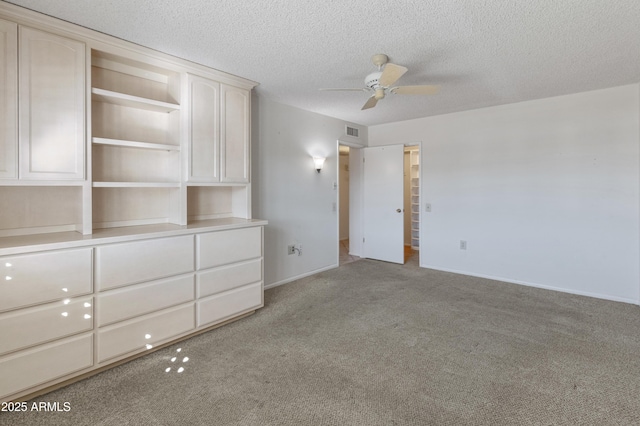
391, 74
344, 90
371, 102
416, 90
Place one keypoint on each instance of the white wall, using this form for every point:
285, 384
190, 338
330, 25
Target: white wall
299, 203
546, 192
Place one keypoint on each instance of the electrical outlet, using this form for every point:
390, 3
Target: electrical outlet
291, 249
463, 245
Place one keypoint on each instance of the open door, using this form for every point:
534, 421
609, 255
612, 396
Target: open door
383, 221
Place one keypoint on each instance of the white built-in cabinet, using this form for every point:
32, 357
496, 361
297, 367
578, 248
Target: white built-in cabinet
9, 100
203, 130
234, 134
51, 119
125, 215
43, 133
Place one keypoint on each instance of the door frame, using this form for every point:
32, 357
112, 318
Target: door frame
357, 214
353, 213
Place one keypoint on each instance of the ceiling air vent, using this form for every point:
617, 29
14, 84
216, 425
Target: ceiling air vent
352, 131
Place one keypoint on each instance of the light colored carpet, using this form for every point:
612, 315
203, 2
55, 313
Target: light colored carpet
372, 343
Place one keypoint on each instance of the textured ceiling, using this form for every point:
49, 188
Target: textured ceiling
481, 52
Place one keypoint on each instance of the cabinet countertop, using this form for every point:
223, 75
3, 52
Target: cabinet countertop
63, 240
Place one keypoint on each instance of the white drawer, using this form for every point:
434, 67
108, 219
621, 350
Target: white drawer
134, 335
124, 303
224, 247
36, 278
39, 365
229, 304
135, 262
31, 326
225, 278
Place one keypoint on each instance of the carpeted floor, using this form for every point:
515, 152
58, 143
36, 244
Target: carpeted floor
372, 343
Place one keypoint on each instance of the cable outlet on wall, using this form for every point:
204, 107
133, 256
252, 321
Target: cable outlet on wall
463, 245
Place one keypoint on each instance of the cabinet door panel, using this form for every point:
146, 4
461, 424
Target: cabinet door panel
28, 327
234, 134
204, 131
229, 304
225, 247
52, 100
9, 100
122, 264
43, 277
128, 302
134, 335
44, 363
217, 280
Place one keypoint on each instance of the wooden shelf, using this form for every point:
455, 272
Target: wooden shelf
136, 144
123, 99
136, 184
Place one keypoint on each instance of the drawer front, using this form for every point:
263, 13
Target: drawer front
225, 247
133, 335
28, 327
32, 279
227, 305
124, 303
122, 264
37, 366
225, 278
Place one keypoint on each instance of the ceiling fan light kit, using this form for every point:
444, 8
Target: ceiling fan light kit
381, 82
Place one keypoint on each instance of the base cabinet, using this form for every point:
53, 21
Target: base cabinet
142, 333
37, 366
67, 312
225, 305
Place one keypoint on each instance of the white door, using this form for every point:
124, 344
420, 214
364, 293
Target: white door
383, 203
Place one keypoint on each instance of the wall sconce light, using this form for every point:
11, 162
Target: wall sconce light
319, 162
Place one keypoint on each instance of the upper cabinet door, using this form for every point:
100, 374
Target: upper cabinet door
235, 124
8, 100
52, 106
204, 138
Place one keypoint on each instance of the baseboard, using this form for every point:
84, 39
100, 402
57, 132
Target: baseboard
297, 277
529, 284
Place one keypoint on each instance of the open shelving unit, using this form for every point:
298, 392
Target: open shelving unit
136, 143
414, 164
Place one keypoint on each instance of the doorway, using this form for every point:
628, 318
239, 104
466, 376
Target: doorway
345, 255
351, 203
411, 202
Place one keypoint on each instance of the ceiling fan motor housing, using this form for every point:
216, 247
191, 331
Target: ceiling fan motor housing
372, 80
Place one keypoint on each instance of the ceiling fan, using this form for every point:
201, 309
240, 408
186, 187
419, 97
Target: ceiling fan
381, 82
